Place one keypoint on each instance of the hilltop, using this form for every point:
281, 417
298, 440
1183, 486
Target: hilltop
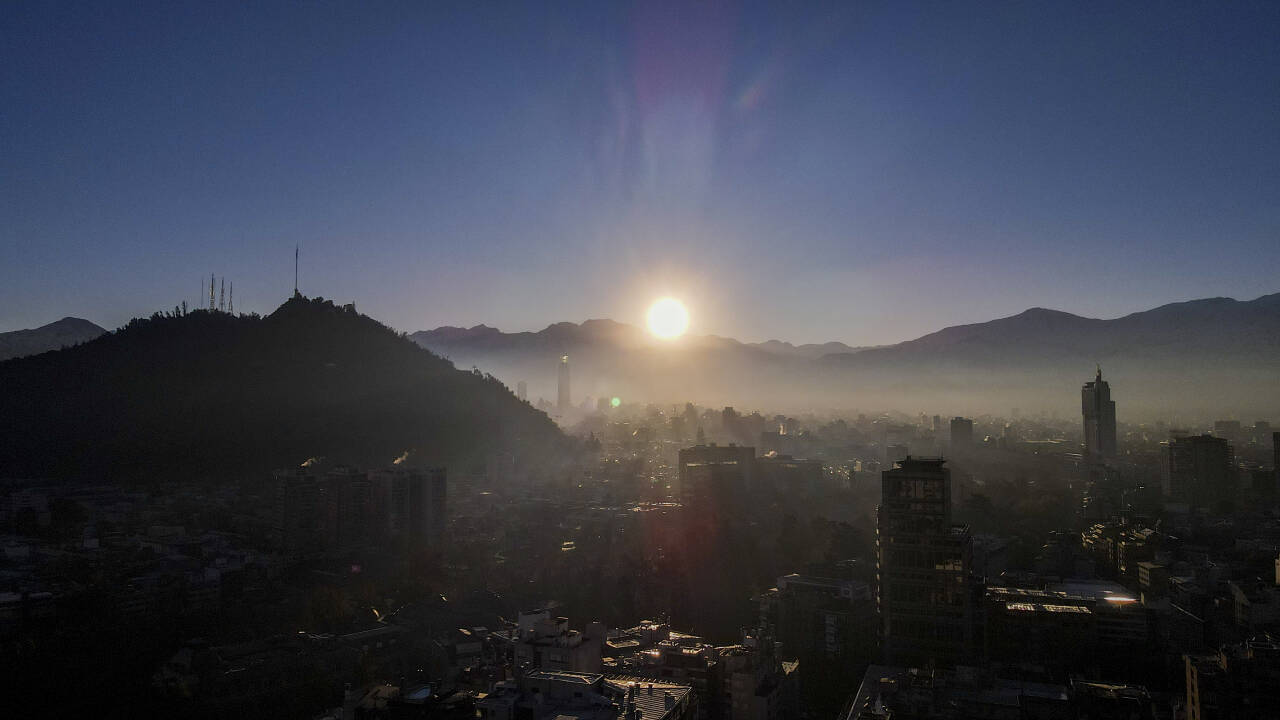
212, 394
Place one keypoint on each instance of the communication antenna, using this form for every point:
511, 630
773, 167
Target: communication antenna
296, 248
231, 299
222, 295
212, 306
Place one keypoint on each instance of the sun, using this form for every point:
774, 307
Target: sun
668, 319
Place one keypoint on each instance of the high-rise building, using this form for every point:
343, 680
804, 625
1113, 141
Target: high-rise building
1200, 470
1099, 418
1275, 451
924, 589
408, 505
961, 432
562, 386
522, 391
714, 474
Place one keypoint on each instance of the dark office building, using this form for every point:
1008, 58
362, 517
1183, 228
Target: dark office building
961, 432
708, 471
924, 590
1201, 471
1099, 418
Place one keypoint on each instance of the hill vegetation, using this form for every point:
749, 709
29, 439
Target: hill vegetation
213, 394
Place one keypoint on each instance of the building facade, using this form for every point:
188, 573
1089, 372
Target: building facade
924, 587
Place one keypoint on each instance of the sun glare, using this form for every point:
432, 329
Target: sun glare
668, 319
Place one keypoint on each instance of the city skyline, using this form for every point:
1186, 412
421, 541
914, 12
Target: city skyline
1098, 162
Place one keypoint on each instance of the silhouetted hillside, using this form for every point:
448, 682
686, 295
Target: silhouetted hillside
212, 394
1209, 356
64, 333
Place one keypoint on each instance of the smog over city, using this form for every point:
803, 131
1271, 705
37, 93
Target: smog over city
640, 361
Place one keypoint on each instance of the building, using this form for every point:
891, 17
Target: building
295, 517
560, 695
710, 472
821, 618
1039, 629
1229, 430
1238, 682
544, 642
787, 477
757, 685
961, 432
889, 692
1099, 418
522, 391
562, 386
829, 625
1200, 471
410, 505
924, 591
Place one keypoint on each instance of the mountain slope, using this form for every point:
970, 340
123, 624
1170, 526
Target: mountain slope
1214, 355
211, 394
64, 333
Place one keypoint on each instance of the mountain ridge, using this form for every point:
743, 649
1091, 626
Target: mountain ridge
1173, 355
56, 335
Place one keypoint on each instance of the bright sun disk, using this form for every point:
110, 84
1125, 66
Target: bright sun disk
668, 318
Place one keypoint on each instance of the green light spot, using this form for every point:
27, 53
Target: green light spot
616, 401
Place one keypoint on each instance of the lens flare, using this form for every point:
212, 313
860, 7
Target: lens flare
668, 319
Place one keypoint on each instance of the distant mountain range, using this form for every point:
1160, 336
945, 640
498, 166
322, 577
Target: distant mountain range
214, 395
1216, 356
56, 335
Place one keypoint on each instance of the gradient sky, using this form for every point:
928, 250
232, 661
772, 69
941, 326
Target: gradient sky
863, 172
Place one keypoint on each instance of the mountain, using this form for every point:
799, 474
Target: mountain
1216, 356
223, 396
64, 333
810, 350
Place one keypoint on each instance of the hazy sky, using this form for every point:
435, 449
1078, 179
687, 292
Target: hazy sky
863, 172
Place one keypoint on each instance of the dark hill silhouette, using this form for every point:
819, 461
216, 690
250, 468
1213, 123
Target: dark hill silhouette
209, 394
56, 335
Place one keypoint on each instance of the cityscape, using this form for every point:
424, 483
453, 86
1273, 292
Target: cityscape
923, 496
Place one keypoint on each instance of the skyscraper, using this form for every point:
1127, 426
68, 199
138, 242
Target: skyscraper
1099, 418
961, 432
924, 589
562, 386
522, 390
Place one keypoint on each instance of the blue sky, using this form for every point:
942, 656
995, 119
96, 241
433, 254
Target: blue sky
860, 171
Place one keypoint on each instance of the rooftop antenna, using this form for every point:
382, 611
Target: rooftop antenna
212, 307
222, 295
295, 269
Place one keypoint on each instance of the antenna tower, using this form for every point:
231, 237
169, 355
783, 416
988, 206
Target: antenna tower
231, 299
295, 269
212, 306
222, 295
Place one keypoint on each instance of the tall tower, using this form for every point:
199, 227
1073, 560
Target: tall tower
522, 390
562, 385
212, 305
1099, 418
923, 563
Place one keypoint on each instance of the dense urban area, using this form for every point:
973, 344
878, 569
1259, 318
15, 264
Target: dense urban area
687, 563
